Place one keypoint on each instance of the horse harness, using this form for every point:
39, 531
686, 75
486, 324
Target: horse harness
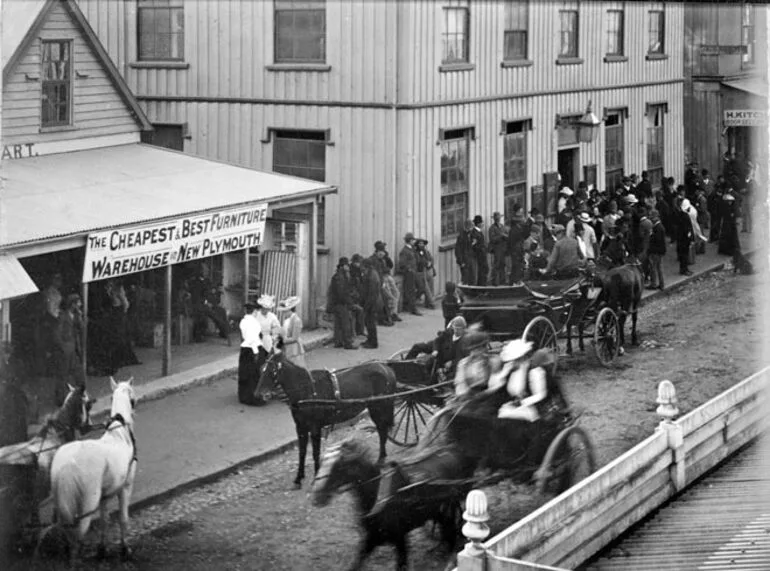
335, 384
119, 418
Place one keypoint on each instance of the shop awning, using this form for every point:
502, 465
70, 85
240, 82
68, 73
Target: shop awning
73, 194
753, 85
14, 280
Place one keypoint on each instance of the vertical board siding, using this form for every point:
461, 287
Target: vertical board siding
97, 109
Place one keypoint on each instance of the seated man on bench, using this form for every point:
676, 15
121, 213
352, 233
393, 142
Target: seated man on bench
446, 347
566, 259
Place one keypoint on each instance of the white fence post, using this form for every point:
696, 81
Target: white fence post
473, 556
668, 410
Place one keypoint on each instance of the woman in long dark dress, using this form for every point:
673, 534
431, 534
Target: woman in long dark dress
728, 236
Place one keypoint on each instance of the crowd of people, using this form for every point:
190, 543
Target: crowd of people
364, 294
631, 220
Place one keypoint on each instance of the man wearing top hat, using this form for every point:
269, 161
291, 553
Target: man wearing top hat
338, 301
407, 267
498, 245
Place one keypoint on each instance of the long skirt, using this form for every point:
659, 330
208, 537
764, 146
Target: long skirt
248, 377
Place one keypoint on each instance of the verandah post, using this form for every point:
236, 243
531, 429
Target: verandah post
167, 324
84, 332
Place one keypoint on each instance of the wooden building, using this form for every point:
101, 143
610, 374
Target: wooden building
84, 202
726, 108
423, 113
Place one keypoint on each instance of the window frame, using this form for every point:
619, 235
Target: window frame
459, 6
515, 189
449, 196
291, 6
510, 27
748, 36
575, 31
661, 32
618, 34
655, 112
320, 136
173, 7
67, 83
613, 172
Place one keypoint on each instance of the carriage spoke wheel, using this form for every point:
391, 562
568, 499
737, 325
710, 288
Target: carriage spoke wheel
606, 336
570, 458
409, 420
541, 332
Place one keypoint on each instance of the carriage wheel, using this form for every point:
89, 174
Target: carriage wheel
541, 332
409, 419
569, 459
606, 336
399, 355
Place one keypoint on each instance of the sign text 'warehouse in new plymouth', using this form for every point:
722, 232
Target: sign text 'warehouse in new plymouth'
120, 252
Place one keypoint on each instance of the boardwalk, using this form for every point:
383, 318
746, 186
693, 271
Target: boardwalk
721, 523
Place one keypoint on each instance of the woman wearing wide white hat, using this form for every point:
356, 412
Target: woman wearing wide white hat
292, 328
525, 380
268, 321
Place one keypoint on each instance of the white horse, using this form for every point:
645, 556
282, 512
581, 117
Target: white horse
87, 473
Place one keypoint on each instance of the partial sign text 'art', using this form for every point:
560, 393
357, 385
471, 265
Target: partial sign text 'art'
120, 252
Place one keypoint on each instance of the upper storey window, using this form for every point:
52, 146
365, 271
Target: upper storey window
614, 32
300, 31
747, 34
161, 30
516, 28
56, 109
454, 38
568, 30
656, 31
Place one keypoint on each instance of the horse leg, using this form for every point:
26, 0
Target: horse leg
367, 546
123, 499
315, 435
581, 329
402, 551
622, 327
634, 340
102, 550
569, 339
302, 437
382, 416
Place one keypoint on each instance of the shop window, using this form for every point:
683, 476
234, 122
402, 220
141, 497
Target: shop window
747, 34
514, 165
656, 32
516, 30
303, 154
568, 30
655, 143
161, 30
300, 31
613, 150
615, 33
166, 136
56, 86
455, 181
454, 38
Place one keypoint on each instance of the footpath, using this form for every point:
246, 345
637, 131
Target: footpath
191, 429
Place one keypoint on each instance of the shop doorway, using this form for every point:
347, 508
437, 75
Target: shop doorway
568, 162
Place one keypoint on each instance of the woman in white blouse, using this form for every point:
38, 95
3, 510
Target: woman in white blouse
268, 321
292, 329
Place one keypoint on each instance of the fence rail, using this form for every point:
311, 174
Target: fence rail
572, 527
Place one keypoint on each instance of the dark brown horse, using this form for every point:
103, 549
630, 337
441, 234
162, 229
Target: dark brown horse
347, 392
622, 288
402, 497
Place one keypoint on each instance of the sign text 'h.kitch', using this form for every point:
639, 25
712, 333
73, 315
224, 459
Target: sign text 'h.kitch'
119, 252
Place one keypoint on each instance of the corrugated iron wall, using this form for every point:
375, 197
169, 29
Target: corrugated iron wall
279, 274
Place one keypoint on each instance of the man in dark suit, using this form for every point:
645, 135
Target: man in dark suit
339, 302
464, 255
371, 299
498, 245
407, 267
480, 251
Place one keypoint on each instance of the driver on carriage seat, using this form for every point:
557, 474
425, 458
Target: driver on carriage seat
474, 369
525, 378
447, 346
566, 258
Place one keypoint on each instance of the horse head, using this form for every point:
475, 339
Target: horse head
123, 400
344, 466
75, 412
270, 373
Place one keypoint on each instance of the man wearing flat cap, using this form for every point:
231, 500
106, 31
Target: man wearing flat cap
339, 300
407, 267
498, 245
566, 258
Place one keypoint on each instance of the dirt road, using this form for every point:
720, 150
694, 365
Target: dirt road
704, 338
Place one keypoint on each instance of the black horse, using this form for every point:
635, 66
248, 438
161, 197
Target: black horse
399, 499
622, 288
348, 391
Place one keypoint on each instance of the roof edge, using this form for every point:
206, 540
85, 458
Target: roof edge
26, 40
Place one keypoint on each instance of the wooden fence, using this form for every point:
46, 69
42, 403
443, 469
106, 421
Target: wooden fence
572, 527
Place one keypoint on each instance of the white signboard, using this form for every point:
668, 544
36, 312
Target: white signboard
120, 252
745, 118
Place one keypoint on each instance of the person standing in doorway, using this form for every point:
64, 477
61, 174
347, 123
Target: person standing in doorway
498, 246
407, 266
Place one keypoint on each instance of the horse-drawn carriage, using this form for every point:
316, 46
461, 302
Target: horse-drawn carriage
540, 311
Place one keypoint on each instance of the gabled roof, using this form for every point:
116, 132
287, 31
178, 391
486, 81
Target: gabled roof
22, 19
